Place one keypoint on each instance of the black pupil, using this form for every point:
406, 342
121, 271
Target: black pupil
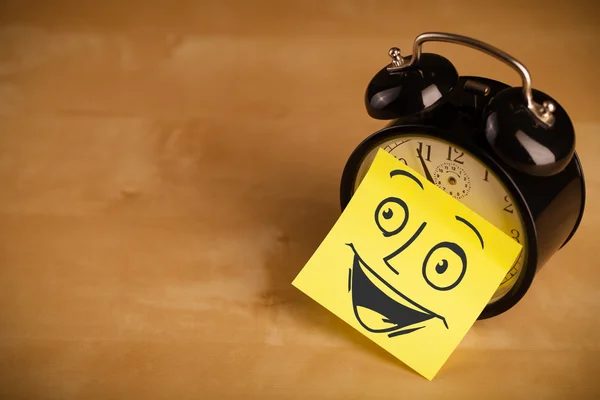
441, 267
387, 214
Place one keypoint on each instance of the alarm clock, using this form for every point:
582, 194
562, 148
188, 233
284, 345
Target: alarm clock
507, 153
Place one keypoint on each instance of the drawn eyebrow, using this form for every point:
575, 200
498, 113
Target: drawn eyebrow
467, 223
407, 174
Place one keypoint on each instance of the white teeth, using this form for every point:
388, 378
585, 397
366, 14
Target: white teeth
389, 292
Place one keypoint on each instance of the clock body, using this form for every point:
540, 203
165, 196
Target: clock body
541, 213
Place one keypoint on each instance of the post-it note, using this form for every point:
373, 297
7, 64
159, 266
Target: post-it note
408, 266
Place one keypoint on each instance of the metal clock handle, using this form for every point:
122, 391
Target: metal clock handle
542, 112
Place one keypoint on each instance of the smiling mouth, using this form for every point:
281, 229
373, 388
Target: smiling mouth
379, 307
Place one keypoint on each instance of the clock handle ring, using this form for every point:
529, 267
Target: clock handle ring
543, 113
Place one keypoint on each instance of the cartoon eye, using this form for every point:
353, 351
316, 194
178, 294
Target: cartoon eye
391, 216
445, 266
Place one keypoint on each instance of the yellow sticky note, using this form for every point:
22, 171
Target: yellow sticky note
408, 266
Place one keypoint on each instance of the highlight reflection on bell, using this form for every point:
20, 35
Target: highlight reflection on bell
525, 143
392, 95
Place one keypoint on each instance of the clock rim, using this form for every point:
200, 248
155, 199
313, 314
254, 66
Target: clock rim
524, 281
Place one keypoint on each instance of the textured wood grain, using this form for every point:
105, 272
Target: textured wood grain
168, 168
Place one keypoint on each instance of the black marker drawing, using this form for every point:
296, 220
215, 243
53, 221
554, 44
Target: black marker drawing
442, 265
443, 268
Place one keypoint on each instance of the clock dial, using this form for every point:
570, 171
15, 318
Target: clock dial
465, 178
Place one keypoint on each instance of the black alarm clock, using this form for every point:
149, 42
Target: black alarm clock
508, 153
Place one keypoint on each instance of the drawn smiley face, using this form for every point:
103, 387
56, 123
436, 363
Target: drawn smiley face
405, 289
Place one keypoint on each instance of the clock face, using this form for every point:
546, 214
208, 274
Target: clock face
467, 179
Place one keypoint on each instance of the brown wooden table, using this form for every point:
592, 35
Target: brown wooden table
166, 169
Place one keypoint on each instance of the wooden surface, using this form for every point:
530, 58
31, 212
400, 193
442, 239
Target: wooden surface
168, 168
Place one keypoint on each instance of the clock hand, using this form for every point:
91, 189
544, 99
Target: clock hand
427, 174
